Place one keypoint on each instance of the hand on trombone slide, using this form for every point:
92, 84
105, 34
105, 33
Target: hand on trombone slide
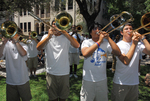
103, 34
136, 37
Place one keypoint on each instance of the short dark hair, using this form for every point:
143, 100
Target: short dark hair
93, 25
129, 24
53, 21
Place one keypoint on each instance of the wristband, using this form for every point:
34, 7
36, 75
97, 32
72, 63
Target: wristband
97, 44
143, 38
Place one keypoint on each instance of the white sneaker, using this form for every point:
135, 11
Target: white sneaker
71, 75
75, 76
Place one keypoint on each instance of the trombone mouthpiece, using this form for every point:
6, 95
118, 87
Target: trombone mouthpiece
97, 33
129, 33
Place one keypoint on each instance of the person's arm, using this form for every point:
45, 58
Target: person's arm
115, 49
147, 45
88, 51
73, 41
1, 49
42, 43
126, 58
4, 41
20, 49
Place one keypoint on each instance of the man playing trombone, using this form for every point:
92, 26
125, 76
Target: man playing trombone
17, 79
56, 44
95, 50
32, 53
126, 79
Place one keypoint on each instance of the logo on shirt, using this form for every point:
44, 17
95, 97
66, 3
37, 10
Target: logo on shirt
98, 57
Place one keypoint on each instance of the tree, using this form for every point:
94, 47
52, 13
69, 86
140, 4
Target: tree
83, 6
136, 7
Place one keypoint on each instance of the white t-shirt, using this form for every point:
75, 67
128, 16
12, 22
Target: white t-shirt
32, 50
16, 69
94, 68
128, 74
56, 54
71, 48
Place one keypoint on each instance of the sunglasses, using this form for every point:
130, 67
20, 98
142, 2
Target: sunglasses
95, 28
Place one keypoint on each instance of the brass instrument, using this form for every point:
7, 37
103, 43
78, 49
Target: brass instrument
117, 21
9, 29
79, 28
33, 34
145, 23
63, 21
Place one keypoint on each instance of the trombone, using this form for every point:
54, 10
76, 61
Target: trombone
33, 34
10, 29
79, 28
63, 21
145, 23
117, 19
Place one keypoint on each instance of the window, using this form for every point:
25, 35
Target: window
42, 9
20, 12
70, 4
42, 27
29, 26
21, 26
37, 9
63, 5
57, 5
25, 27
48, 8
24, 12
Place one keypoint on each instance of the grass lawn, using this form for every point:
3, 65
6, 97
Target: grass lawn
39, 91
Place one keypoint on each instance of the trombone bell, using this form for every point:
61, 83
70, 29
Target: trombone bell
63, 21
9, 29
145, 19
33, 34
79, 28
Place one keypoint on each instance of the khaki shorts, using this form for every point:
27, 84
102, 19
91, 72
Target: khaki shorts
94, 91
74, 58
15, 92
57, 86
124, 92
32, 62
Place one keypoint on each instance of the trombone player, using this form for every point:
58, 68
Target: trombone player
74, 52
17, 79
126, 79
56, 44
95, 50
32, 53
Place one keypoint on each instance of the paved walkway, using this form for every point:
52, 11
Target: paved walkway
41, 68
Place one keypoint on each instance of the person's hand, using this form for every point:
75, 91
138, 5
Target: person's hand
4, 40
50, 32
103, 35
15, 38
136, 37
106, 35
